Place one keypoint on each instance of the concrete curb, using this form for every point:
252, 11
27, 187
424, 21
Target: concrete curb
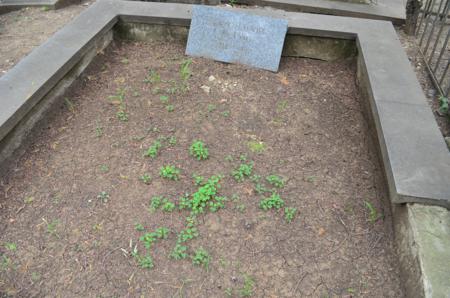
388, 10
402, 121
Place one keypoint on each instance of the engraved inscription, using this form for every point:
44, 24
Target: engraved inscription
231, 36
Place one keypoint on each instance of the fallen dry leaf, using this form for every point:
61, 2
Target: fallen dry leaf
283, 79
321, 231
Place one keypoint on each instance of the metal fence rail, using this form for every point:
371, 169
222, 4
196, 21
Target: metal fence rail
433, 34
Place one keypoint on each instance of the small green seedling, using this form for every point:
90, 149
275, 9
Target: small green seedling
198, 180
119, 96
217, 203
244, 170
98, 130
103, 196
104, 168
125, 61
199, 150
179, 252
146, 178
155, 203
156, 90
276, 181
170, 108
122, 115
35, 276
191, 221
10, 246
247, 289
256, 146
145, 262
52, 226
229, 158
274, 201
282, 106
373, 213
29, 200
443, 104
169, 172
185, 71
148, 239
164, 99
172, 141
289, 214
235, 197
201, 258
153, 150
260, 189
172, 90
205, 193
311, 179
211, 108
185, 203
241, 208
139, 227
152, 77
5, 262
187, 234
226, 114
162, 233
168, 206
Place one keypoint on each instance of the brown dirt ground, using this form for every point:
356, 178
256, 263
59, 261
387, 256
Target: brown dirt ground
418, 64
23, 30
308, 116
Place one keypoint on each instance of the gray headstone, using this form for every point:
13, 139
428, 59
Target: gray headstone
236, 37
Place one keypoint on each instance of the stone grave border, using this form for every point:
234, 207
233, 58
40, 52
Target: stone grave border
412, 150
389, 10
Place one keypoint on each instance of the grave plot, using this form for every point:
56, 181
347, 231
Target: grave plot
145, 125
164, 175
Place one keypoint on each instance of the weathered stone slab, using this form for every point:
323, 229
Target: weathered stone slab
390, 10
236, 37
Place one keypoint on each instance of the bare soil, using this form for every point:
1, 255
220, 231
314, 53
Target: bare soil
409, 44
69, 243
23, 30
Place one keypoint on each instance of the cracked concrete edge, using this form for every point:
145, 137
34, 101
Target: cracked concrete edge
422, 232
422, 236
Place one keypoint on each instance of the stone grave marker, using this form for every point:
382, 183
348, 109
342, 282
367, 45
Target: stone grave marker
236, 37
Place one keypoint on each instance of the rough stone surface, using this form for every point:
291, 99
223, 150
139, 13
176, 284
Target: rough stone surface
155, 32
236, 37
423, 241
327, 49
